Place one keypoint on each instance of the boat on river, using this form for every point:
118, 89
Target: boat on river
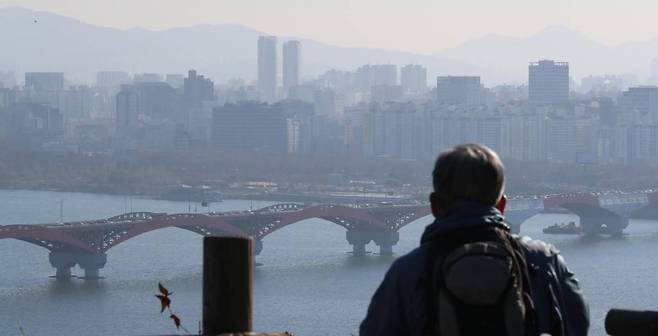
569, 228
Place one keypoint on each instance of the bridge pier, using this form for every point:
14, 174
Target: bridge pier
63, 261
258, 246
63, 273
359, 249
386, 249
92, 263
358, 240
384, 239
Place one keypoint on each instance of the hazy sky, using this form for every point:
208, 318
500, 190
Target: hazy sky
413, 25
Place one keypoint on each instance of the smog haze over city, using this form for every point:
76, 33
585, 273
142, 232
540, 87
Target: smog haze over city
131, 129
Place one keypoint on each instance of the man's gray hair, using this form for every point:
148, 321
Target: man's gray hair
468, 172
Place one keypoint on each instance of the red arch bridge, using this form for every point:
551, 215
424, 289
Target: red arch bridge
86, 243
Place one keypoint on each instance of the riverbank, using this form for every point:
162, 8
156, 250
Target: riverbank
330, 197
287, 178
244, 194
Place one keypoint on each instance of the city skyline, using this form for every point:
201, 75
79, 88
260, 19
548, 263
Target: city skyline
86, 49
363, 113
375, 108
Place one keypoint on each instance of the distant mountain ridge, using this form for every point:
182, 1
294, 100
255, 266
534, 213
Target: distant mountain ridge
506, 56
57, 43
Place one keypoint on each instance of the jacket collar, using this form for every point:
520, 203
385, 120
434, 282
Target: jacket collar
461, 215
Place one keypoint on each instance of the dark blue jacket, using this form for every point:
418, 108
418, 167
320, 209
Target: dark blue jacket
398, 306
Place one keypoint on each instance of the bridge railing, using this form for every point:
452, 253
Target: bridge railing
623, 199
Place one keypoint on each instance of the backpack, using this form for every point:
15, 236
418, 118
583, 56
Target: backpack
479, 285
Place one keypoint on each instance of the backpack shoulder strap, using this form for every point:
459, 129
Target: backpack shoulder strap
526, 282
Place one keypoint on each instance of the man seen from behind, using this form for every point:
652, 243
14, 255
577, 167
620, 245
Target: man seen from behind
470, 275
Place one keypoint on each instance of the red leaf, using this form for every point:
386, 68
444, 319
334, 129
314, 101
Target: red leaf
163, 290
164, 302
176, 320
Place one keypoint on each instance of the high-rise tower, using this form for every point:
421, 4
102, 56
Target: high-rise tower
548, 82
291, 65
267, 68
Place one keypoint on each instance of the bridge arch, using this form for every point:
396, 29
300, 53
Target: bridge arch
201, 224
42, 236
594, 218
348, 217
120, 231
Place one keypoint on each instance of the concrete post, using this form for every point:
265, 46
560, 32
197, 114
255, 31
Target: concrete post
227, 285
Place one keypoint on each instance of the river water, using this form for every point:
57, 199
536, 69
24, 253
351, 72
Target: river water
307, 282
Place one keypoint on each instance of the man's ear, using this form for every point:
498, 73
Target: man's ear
435, 204
502, 202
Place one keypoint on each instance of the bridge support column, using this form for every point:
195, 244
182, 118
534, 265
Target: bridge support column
358, 240
258, 246
359, 249
63, 273
92, 263
62, 262
385, 240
